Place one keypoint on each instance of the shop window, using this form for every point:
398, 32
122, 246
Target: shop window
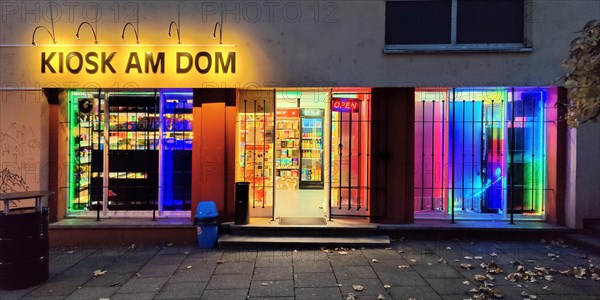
481, 152
129, 151
176, 150
255, 151
350, 153
456, 25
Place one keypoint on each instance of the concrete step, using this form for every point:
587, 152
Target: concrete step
235, 241
300, 230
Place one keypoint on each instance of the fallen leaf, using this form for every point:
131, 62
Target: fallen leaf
380, 297
442, 260
479, 278
357, 287
468, 257
412, 260
70, 252
343, 252
388, 248
189, 267
530, 261
403, 266
478, 257
295, 251
448, 248
490, 277
549, 278
339, 284
264, 284
551, 255
350, 296
325, 250
186, 252
494, 254
429, 264
132, 247
374, 260
466, 282
220, 261
466, 266
473, 290
400, 251
387, 286
546, 288
532, 297
99, 273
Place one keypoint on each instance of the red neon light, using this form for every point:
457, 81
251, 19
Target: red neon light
345, 104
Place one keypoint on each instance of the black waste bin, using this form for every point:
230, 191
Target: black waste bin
23, 248
242, 193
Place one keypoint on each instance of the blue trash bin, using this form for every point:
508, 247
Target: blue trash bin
207, 224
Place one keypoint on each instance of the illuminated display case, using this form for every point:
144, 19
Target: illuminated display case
311, 148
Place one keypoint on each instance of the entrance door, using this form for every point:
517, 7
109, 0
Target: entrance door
299, 153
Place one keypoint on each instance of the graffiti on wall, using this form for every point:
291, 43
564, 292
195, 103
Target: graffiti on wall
19, 154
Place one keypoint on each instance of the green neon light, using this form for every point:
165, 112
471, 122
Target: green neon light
71, 169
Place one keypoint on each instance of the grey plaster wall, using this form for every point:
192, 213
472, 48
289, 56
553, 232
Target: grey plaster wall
304, 43
588, 173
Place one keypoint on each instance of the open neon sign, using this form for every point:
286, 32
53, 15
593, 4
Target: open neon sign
345, 104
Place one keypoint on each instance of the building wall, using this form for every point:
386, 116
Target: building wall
588, 174
23, 142
288, 43
279, 43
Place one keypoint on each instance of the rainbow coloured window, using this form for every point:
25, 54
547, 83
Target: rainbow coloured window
481, 151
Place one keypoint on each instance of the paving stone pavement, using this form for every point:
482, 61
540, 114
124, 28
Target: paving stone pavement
407, 270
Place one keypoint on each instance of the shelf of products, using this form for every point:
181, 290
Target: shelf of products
287, 156
133, 145
311, 175
256, 155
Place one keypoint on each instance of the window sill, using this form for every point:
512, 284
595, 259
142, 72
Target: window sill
480, 48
